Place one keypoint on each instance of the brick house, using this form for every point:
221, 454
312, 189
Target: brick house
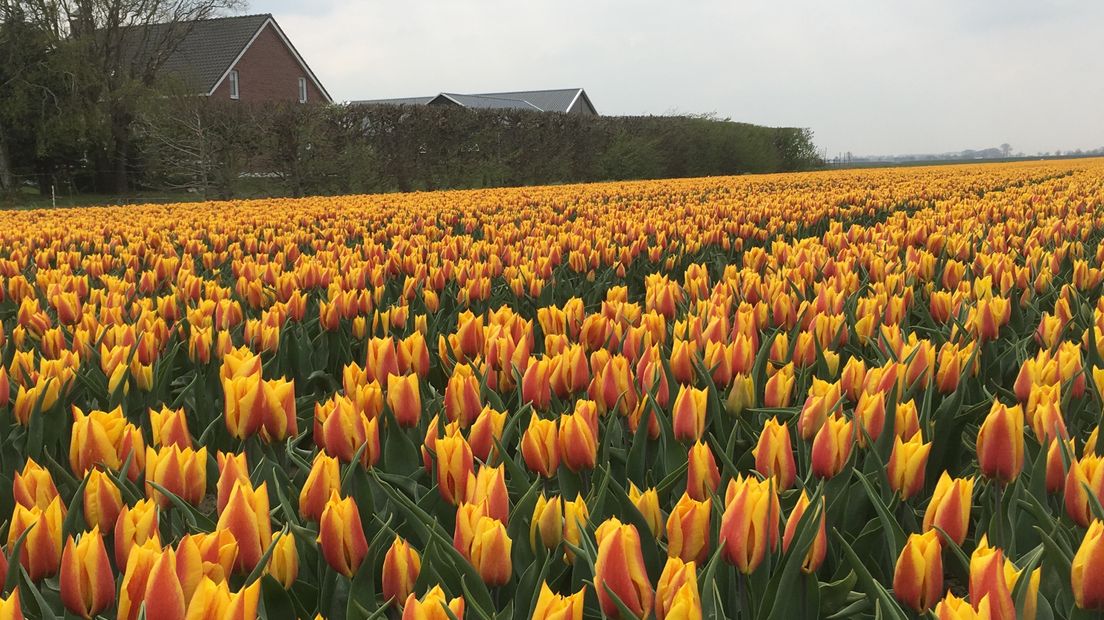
242, 58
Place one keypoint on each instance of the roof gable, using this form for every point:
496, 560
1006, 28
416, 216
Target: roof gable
211, 47
207, 49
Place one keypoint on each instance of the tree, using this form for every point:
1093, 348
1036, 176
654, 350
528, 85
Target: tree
117, 49
1005, 149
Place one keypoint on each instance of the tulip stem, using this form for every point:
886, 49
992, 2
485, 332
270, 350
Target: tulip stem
998, 498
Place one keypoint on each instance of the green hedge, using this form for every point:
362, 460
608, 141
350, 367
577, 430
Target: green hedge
300, 150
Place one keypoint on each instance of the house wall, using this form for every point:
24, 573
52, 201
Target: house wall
268, 71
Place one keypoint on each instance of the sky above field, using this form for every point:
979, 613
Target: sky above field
868, 76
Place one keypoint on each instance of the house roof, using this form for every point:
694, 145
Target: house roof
556, 100
396, 101
487, 102
210, 47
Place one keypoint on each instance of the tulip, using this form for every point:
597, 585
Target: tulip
918, 577
906, 422
1087, 570
246, 516
1085, 477
211, 600
823, 398
613, 386
647, 504
180, 472
467, 517
462, 400
341, 431
742, 394
555, 520
906, 465
341, 535
949, 508
41, 553
283, 564
682, 365
831, 447
749, 525
93, 440
324, 478
1055, 468
774, 455
164, 595
490, 551
677, 591
5, 383
870, 413
688, 529
233, 468
535, 385
702, 475
779, 388
382, 359
244, 603
486, 429
10, 608
540, 446
404, 399
34, 486
432, 606
989, 578
553, 606
852, 378
949, 369
240, 362
135, 526
214, 554
401, 567
954, 608
817, 551
619, 571
578, 441
136, 578
1045, 413
102, 501
688, 416
254, 405
170, 427
1000, 443
454, 467
87, 583
489, 488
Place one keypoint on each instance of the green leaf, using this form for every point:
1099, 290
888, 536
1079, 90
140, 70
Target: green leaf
873, 589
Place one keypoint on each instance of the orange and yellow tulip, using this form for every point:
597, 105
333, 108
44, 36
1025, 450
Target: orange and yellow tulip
341, 535
87, 582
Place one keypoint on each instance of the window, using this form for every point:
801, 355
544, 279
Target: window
302, 90
234, 84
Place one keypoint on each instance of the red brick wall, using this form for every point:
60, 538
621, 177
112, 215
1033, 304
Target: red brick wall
268, 71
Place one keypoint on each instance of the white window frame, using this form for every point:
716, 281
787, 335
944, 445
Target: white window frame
302, 90
235, 92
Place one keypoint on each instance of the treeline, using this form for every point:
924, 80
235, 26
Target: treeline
227, 149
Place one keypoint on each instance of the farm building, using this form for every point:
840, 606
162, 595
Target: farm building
242, 58
565, 100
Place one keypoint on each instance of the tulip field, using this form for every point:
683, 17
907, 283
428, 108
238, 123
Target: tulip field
841, 394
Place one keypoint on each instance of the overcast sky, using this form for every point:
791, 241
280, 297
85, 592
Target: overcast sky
868, 76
